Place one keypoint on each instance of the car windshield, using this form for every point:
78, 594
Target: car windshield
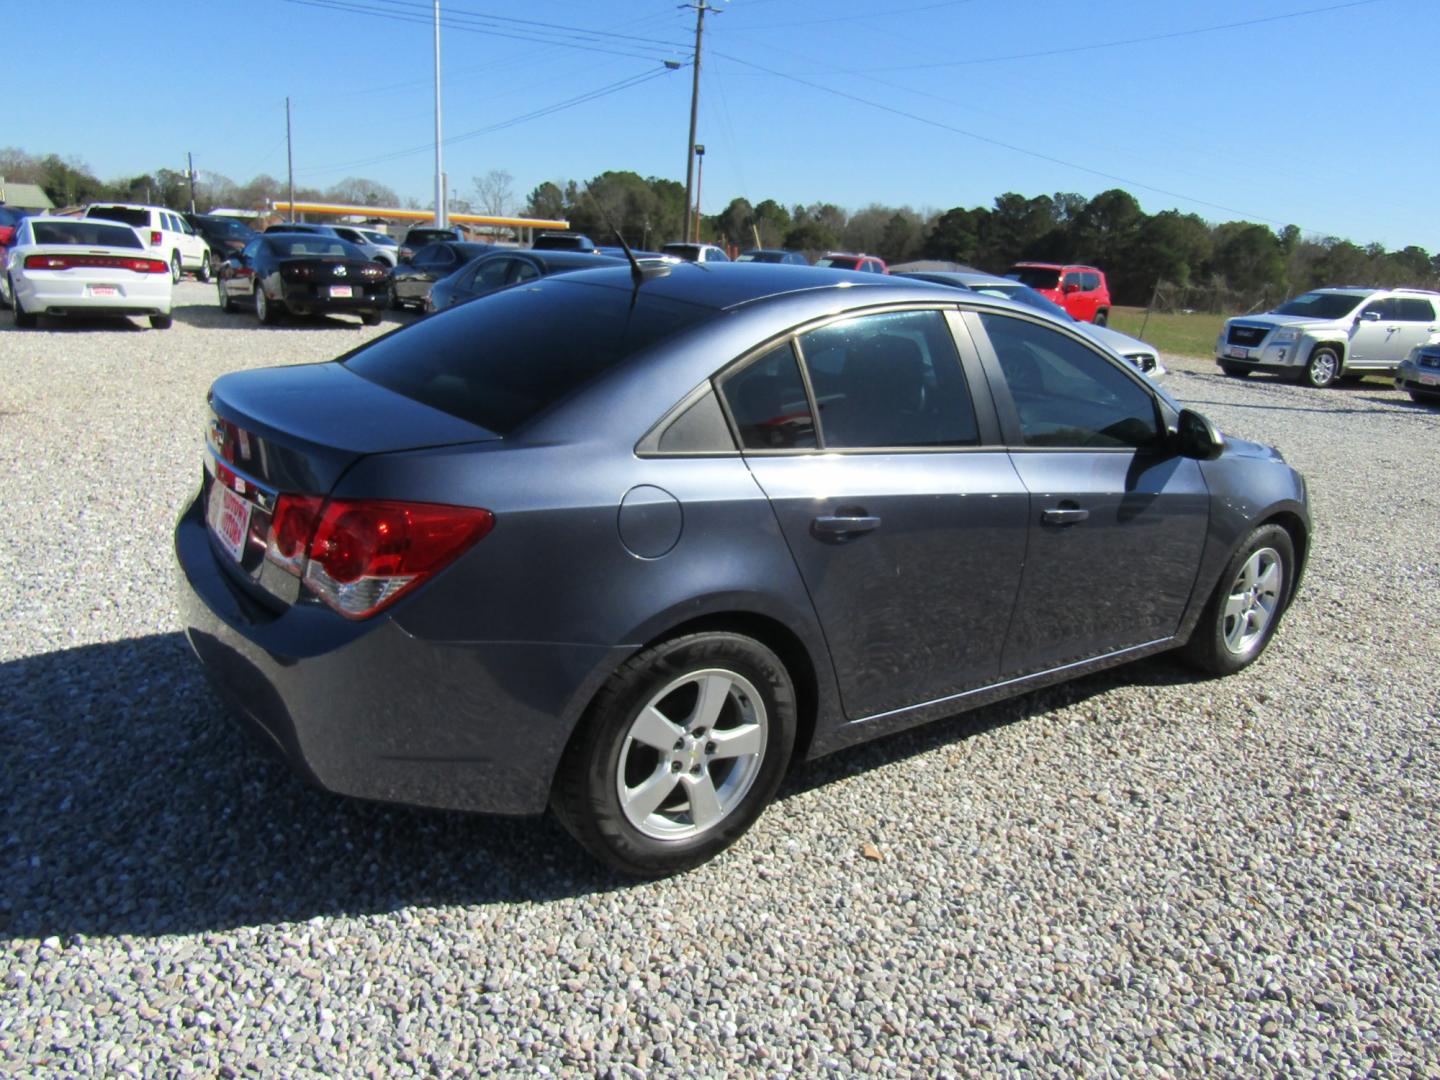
316, 246
91, 233
129, 215
842, 262
1321, 305
500, 360
1023, 294
1037, 277
226, 227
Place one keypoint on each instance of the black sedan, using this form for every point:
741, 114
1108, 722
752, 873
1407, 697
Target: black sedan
411, 282
624, 543
226, 236
303, 274
500, 269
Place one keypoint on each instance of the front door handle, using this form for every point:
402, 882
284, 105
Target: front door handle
843, 526
1069, 516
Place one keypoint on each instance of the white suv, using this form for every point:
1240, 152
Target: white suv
1331, 334
168, 235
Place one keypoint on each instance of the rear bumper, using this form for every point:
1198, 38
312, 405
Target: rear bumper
59, 294
309, 299
369, 710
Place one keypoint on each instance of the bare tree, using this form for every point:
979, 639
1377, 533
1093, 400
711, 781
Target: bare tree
493, 193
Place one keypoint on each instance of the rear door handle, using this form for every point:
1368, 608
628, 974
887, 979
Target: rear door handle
1064, 517
841, 527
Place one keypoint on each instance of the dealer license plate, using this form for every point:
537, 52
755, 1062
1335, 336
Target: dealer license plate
104, 290
1238, 354
229, 519
341, 292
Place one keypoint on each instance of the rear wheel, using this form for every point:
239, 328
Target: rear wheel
1102, 317
161, 322
202, 275
370, 318
23, 321
175, 268
679, 753
1323, 368
227, 302
1234, 371
394, 299
266, 310
1245, 608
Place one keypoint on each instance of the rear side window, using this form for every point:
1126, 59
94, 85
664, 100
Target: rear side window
84, 232
1413, 309
1067, 395
767, 399
129, 215
889, 380
500, 360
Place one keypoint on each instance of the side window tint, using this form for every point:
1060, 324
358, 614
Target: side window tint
1066, 394
767, 400
524, 272
1416, 310
700, 429
426, 254
1383, 308
1089, 281
493, 274
890, 380
1072, 278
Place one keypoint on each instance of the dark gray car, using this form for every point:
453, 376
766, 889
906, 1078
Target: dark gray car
626, 547
501, 269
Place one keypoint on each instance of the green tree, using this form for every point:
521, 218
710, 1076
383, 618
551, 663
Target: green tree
547, 201
812, 237
955, 236
772, 221
733, 223
1249, 258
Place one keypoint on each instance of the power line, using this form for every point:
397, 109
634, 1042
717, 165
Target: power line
483, 18
998, 142
1125, 41
885, 14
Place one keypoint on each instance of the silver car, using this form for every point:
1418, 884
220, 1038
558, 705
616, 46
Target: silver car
1144, 358
1419, 373
377, 245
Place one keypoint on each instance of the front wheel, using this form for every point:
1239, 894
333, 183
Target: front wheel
202, 275
1323, 368
227, 303
679, 753
1243, 612
370, 318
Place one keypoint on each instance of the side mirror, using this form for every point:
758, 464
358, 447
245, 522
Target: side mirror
1369, 316
1069, 288
1196, 437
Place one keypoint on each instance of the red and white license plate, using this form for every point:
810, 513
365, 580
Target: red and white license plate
229, 518
1430, 380
104, 290
1238, 354
341, 292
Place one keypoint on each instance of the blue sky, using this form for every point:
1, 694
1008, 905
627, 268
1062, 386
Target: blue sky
1294, 117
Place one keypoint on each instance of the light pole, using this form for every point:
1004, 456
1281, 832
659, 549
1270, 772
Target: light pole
699, 182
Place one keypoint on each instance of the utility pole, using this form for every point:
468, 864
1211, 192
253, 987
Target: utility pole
440, 215
289, 159
700, 6
699, 184
190, 172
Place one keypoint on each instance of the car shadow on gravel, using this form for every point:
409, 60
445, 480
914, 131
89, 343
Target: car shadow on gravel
133, 805
210, 317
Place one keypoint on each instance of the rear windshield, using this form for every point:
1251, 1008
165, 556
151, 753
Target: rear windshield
90, 233
1037, 277
841, 262
128, 214
416, 237
500, 360
318, 246
1321, 305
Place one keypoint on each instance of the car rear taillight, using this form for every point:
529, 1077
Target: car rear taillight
7, 233
107, 262
156, 238
292, 272
361, 555
374, 271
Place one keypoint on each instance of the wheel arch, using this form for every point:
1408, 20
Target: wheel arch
1341, 348
1295, 525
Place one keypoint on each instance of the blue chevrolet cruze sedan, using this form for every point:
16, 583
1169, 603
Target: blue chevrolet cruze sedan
626, 542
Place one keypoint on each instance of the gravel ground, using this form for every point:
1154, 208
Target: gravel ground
1140, 873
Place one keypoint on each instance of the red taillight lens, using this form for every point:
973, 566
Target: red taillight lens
7, 233
292, 272
374, 271
105, 262
361, 555
156, 238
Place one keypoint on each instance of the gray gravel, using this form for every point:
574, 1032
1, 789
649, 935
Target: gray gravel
1136, 874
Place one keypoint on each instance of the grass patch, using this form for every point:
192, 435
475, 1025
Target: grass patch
1188, 335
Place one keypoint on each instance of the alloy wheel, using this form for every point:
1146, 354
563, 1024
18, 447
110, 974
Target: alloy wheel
1253, 600
692, 754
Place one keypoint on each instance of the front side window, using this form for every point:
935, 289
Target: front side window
767, 400
1383, 309
1066, 394
889, 381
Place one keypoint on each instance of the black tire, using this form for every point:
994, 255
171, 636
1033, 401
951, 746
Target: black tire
176, 270
1210, 648
1102, 317
1323, 367
227, 302
370, 318
203, 274
23, 320
266, 310
1235, 371
1424, 399
161, 322
586, 797
394, 299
